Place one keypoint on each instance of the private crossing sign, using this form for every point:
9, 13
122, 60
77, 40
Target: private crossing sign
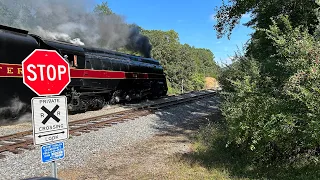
49, 119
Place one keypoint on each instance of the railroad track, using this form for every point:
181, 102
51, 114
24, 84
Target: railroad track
16, 143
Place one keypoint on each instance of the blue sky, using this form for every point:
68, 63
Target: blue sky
192, 20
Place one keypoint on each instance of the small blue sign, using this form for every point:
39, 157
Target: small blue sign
52, 152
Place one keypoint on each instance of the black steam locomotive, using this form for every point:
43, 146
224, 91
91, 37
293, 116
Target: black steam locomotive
98, 76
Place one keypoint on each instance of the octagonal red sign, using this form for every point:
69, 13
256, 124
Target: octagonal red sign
46, 72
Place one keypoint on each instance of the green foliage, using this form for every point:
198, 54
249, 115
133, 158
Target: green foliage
229, 14
276, 117
299, 13
103, 9
212, 154
198, 80
204, 63
184, 65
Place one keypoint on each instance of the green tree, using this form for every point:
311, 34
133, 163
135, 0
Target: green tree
103, 9
271, 91
300, 13
165, 47
184, 65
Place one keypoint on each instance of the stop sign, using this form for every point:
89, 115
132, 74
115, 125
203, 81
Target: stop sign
45, 72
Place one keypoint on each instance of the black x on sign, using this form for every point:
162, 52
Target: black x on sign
50, 114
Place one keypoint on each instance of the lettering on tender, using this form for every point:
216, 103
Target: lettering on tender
19, 70
9, 70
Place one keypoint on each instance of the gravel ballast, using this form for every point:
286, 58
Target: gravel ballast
24, 123
79, 149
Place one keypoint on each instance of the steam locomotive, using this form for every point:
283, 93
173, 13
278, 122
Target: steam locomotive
98, 76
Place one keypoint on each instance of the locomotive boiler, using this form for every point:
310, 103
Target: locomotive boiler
98, 76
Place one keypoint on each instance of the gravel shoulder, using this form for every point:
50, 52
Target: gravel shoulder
108, 144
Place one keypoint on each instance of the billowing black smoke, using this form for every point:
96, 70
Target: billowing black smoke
139, 42
72, 22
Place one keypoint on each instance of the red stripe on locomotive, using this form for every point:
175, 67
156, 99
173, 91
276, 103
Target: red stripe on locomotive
10, 70
15, 70
101, 74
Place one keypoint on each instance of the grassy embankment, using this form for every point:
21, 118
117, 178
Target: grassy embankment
210, 159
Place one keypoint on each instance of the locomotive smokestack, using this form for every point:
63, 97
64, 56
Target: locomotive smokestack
139, 42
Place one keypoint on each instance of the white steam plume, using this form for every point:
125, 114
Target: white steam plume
15, 112
57, 36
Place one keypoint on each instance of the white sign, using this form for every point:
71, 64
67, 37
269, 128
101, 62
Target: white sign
49, 119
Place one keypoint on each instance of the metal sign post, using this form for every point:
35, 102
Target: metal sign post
54, 169
46, 73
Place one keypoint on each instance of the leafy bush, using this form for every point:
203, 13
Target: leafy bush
276, 116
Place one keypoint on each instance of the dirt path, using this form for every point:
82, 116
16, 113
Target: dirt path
146, 160
150, 159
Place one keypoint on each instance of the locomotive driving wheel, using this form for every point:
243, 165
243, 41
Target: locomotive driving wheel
115, 98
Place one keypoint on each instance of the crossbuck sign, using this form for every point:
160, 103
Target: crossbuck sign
49, 119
